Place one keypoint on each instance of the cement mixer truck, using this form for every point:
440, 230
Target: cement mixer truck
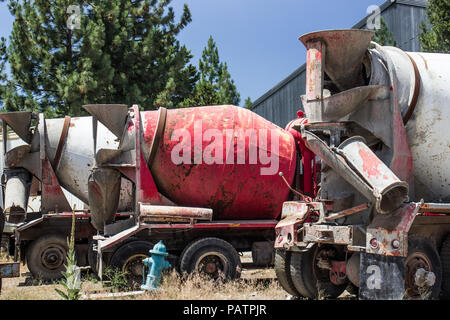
378, 118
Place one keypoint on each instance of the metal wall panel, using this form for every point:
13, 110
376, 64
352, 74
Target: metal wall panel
281, 103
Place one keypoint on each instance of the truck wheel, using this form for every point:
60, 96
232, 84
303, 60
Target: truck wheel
211, 256
310, 280
445, 259
128, 259
46, 257
283, 272
422, 253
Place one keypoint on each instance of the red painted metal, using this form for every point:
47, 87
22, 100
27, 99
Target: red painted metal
286, 232
232, 190
385, 230
402, 160
129, 172
370, 163
240, 224
53, 198
293, 216
315, 58
146, 190
338, 272
431, 214
308, 158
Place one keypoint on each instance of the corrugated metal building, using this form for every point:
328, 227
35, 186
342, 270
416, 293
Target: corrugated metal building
281, 103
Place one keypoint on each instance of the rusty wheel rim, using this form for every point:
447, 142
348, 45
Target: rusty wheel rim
53, 257
212, 264
133, 268
414, 262
320, 274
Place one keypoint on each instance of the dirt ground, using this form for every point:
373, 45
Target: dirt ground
254, 284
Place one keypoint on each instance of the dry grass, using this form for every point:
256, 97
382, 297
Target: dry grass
196, 287
253, 285
5, 257
26, 288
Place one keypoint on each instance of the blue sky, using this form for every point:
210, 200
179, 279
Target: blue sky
257, 38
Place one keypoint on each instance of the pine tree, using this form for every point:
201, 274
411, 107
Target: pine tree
383, 36
118, 52
436, 38
209, 64
215, 86
204, 95
248, 104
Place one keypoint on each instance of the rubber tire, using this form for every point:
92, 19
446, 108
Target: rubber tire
34, 251
283, 272
123, 253
445, 261
196, 249
427, 247
305, 281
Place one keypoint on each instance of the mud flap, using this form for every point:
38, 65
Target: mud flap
381, 277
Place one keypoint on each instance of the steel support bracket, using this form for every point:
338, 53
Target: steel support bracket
293, 214
322, 233
287, 232
387, 234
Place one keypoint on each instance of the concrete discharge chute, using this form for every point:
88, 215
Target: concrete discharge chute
354, 161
